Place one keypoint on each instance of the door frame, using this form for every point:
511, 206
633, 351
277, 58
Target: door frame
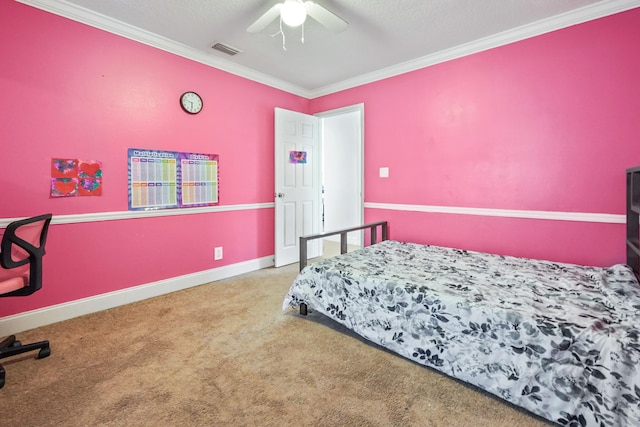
339, 111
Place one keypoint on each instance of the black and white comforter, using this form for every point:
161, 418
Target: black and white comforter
559, 340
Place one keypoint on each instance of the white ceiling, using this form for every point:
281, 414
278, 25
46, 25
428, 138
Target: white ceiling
384, 37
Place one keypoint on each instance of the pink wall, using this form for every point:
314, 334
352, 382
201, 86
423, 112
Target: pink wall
549, 123
70, 90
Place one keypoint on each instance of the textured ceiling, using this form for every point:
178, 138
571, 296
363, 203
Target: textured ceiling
384, 37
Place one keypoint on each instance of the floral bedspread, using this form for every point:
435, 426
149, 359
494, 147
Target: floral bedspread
559, 340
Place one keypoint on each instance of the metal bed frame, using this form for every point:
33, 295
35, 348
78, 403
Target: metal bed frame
633, 219
373, 226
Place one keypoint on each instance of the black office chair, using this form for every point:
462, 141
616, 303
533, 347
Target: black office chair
21, 252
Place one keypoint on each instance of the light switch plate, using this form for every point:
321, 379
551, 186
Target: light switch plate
384, 172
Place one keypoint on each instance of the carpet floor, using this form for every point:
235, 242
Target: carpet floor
225, 354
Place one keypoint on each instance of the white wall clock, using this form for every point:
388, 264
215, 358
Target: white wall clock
191, 102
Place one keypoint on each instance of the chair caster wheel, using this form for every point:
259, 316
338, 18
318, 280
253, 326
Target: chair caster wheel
44, 352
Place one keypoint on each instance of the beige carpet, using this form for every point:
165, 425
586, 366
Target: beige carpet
224, 354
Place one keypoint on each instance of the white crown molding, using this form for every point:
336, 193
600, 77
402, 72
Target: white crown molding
97, 20
114, 216
578, 16
509, 213
57, 313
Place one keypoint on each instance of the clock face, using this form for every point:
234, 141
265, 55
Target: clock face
191, 102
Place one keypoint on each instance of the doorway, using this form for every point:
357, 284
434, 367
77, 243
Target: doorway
301, 205
342, 142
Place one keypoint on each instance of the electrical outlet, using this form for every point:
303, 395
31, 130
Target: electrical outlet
217, 253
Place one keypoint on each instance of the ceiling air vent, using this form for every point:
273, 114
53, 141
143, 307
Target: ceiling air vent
225, 49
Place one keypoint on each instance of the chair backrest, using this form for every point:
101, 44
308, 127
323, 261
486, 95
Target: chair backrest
21, 251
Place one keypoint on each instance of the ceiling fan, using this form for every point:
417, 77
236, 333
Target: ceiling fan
294, 13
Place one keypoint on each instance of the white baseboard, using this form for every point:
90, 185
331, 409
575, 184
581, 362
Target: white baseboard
57, 313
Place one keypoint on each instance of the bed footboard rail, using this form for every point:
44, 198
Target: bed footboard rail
633, 219
373, 226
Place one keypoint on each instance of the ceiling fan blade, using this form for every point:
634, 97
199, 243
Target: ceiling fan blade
266, 19
329, 19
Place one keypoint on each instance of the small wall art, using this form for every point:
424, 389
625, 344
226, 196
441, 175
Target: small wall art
297, 157
74, 177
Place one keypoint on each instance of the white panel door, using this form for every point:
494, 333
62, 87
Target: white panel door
297, 185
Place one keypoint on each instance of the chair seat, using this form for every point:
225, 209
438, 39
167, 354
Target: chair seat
12, 284
21, 252
14, 279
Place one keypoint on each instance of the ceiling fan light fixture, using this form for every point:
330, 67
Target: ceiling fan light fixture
293, 12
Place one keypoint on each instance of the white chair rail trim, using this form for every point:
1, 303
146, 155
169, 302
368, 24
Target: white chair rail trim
114, 216
510, 213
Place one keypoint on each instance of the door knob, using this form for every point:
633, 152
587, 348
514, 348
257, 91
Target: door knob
281, 195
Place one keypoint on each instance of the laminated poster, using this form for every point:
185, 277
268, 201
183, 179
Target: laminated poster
171, 179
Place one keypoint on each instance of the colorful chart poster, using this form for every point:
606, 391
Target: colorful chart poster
198, 179
171, 179
153, 179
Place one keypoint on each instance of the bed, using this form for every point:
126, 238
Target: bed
556, 339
